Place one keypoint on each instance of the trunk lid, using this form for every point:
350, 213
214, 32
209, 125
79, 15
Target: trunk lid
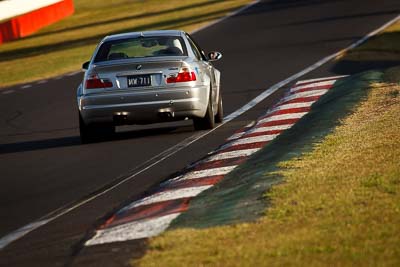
138, 74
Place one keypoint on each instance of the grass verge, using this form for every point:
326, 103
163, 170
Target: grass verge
64, 46
381, 47
339, 203
380, 51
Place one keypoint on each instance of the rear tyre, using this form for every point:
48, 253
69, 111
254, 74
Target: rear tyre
219, 117
92, 133
208, 122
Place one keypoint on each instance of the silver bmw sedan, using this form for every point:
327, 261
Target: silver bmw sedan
148, 77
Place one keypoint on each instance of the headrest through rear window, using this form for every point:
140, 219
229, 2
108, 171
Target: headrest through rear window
113, 56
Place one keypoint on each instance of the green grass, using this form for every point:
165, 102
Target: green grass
339, 204
64, 46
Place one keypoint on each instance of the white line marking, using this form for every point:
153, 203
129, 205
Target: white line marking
42, 82
304, 94
251, 124
201, 174
260, 129
205, 173
11, 237
59, 77
8, 92
292, 106
133, 230
312, 85
282, 117
168, 195
232, 154
270, 128
236, 136
173, 150
250, 140
321, 79
26, 86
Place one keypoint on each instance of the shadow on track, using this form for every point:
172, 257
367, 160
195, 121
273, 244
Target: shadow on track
71, 141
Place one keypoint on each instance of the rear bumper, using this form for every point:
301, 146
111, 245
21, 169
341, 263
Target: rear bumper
144, 106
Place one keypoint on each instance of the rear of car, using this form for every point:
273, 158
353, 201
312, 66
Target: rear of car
141, 78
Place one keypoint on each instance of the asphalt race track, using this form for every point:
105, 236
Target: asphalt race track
44, 168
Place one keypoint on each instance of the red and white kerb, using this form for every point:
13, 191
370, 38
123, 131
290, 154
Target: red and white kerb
151, 215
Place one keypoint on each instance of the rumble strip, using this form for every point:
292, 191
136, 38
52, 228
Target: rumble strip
151, 215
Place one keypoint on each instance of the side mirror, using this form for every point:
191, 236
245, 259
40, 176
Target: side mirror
85, 65
214, 56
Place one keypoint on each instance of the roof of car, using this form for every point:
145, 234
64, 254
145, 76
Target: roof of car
144, 34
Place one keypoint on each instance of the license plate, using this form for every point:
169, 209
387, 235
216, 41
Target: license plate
139, 80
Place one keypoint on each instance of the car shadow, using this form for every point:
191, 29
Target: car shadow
71, 141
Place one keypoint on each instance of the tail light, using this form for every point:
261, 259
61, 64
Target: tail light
185, 75
93, 82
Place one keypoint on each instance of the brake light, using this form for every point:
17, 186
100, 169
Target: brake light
94, 82
185, 75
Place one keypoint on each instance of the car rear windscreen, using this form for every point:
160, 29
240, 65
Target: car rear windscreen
141, 47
